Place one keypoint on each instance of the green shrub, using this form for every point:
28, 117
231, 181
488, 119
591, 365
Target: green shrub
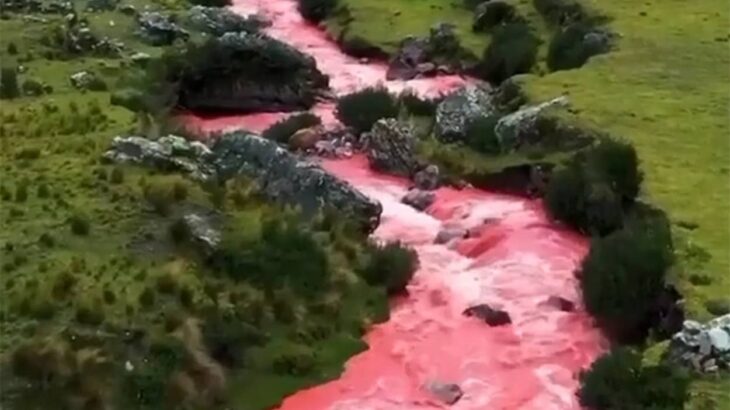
91, 314
211, 3
495, 13
569, 47
179, 231
47, 240
179, 191
9, 83
480, 135
513, 50
619, 381
316, 10
228, 338
622, 276
43, 191
21, 191
391, 265
166, 283
116, 176
32, 87
560, 12
286, 254
147, 297
282, 130
294, 360
12, 48
415, 105
159, 197
361, 109
79, 225
618, 166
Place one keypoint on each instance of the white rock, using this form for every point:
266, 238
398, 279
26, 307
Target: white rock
719, 339
128, 366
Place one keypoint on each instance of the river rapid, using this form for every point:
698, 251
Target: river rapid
514, 259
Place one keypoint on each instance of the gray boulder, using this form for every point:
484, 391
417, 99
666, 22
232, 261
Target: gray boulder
158, 29
448, 393
447, 235
262, 75
427, 178
391, 147
203, 232
419, 199
218, 21
492, 13
514, 129
86, 80
170, 153
284, 178
412, 52
459, 108
703, 347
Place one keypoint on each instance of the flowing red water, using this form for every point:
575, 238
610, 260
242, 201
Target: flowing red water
514, 259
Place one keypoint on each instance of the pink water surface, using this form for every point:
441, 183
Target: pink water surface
515, 259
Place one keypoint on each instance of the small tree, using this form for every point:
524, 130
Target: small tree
9, 83
513, 50
619, 381
391, 265
316, 10
622, 276
617, 164
361, 109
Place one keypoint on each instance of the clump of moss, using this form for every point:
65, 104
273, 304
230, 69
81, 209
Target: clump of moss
79, 224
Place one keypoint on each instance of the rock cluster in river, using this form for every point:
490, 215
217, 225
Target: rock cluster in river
391, 147
488, 314
703, 347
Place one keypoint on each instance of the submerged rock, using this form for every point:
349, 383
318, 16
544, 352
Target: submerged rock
448, 393
412, 52
284, 178
490, 316
391, 148
419, 199
454, 113
427, 178
560, 303
449, 234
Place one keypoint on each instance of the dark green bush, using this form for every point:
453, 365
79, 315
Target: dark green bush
361, 109
116, 176
179, 231
147, 297
622, 276
159, 197
90, 314
560, 12
79, 225
286, 254
592, 192
415, 105
282, 131
619, 381
47, 240
43, 191
12, 48
33, 88
316, 10
9, 83
495, 13
21, 191
569, 47
391, 265
179, 191
211, 3
228, 338
294, 360
513, 50
481, 137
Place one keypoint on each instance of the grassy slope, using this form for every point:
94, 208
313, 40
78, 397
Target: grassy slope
127, 248
665, 88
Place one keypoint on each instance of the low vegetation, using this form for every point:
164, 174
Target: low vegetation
361, 109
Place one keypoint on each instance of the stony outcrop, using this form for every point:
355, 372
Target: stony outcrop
219, 21
419, 199
703, 347
490, 316
428, 178
284, 178
419, 56
516, 128
448, 393
169, 153
203, 231
158, 29
454, 113
391, 148
247, 72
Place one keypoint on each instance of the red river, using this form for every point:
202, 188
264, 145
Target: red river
514, 259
